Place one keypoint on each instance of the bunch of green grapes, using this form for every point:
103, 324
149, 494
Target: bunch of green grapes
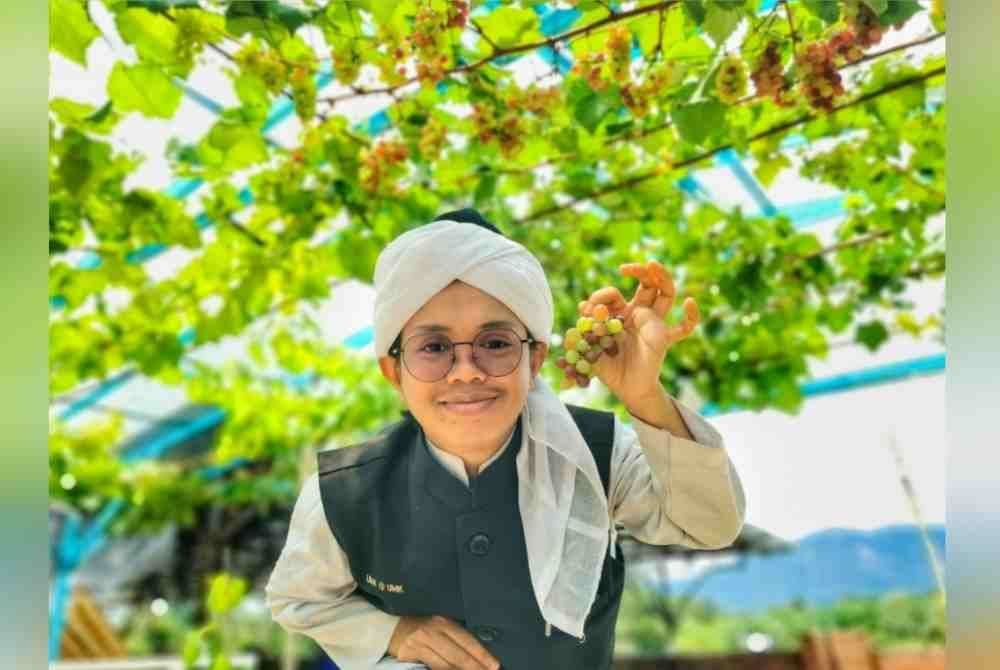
731, 80
593, 336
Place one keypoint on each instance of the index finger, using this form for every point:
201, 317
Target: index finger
470, 645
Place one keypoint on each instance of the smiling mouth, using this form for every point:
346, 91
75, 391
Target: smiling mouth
469, 406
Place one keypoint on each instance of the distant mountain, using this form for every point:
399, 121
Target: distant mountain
823, 568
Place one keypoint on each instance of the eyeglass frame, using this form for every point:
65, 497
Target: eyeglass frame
397, 351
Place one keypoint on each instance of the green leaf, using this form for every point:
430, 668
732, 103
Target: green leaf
233, 146
826, 10
154, 36
508, 26
225, 593
70, 29
695, 9
720, 23
143, 88
252, 92
768, 169
588, 107
697, 121
877, 6
871, 334
192, 648
899, 11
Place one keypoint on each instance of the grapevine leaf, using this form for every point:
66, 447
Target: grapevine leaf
70, 29
695, 9
154, 36
720, 23
899, 11
697, 121
828, 11
877, 6
143, 88
508, 26
871, 334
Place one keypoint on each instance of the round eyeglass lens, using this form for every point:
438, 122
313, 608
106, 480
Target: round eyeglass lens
429, 357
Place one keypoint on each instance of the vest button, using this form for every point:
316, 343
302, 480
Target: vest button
479, 544
487, 633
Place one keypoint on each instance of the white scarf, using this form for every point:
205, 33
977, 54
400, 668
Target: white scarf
564, 509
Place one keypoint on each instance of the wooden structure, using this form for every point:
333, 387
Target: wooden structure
87, 634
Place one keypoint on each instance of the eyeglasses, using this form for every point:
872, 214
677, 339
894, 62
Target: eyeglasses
431, 356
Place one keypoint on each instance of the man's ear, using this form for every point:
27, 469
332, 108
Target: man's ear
539, 350
389, 365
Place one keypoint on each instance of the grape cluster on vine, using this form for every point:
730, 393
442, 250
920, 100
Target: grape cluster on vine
821, 82
534, 99
433, 137
267, 65
619, 50
380, 163
731, 79
768, 76
425, 41
865, 23
507, 130
638, 97
592, 337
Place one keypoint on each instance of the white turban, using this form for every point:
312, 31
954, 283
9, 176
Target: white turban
564, 509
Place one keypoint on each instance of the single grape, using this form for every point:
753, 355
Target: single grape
593, 355
572, 357
606, 342
562, 362
574, 333
583, 366
601, 313
600, 329
612, 350
584, 324
592, 338
583, 346
583, 381
615, 326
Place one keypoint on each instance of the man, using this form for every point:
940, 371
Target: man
480, 532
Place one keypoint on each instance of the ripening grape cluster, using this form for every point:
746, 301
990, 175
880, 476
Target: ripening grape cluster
638, 97
865, 23
768, 78
535, 99
845, 45
593, 337
377, 164
590, 67
821, 82
303, 92
619, 50
731, 79
506, 130
423, 41
432, 139
346, 62
267, 65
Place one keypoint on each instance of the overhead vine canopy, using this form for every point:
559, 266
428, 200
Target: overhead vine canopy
580, 165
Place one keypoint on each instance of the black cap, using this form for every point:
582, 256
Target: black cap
468, 215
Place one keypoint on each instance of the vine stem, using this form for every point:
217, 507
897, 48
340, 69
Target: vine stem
774, 130
550, 42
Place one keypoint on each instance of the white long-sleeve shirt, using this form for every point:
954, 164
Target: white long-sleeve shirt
663, 489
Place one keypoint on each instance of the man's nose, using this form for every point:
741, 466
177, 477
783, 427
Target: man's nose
465, 367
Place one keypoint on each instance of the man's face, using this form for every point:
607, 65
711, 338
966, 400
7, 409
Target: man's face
467, 409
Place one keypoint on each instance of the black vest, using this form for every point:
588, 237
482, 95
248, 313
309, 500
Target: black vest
420, 542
